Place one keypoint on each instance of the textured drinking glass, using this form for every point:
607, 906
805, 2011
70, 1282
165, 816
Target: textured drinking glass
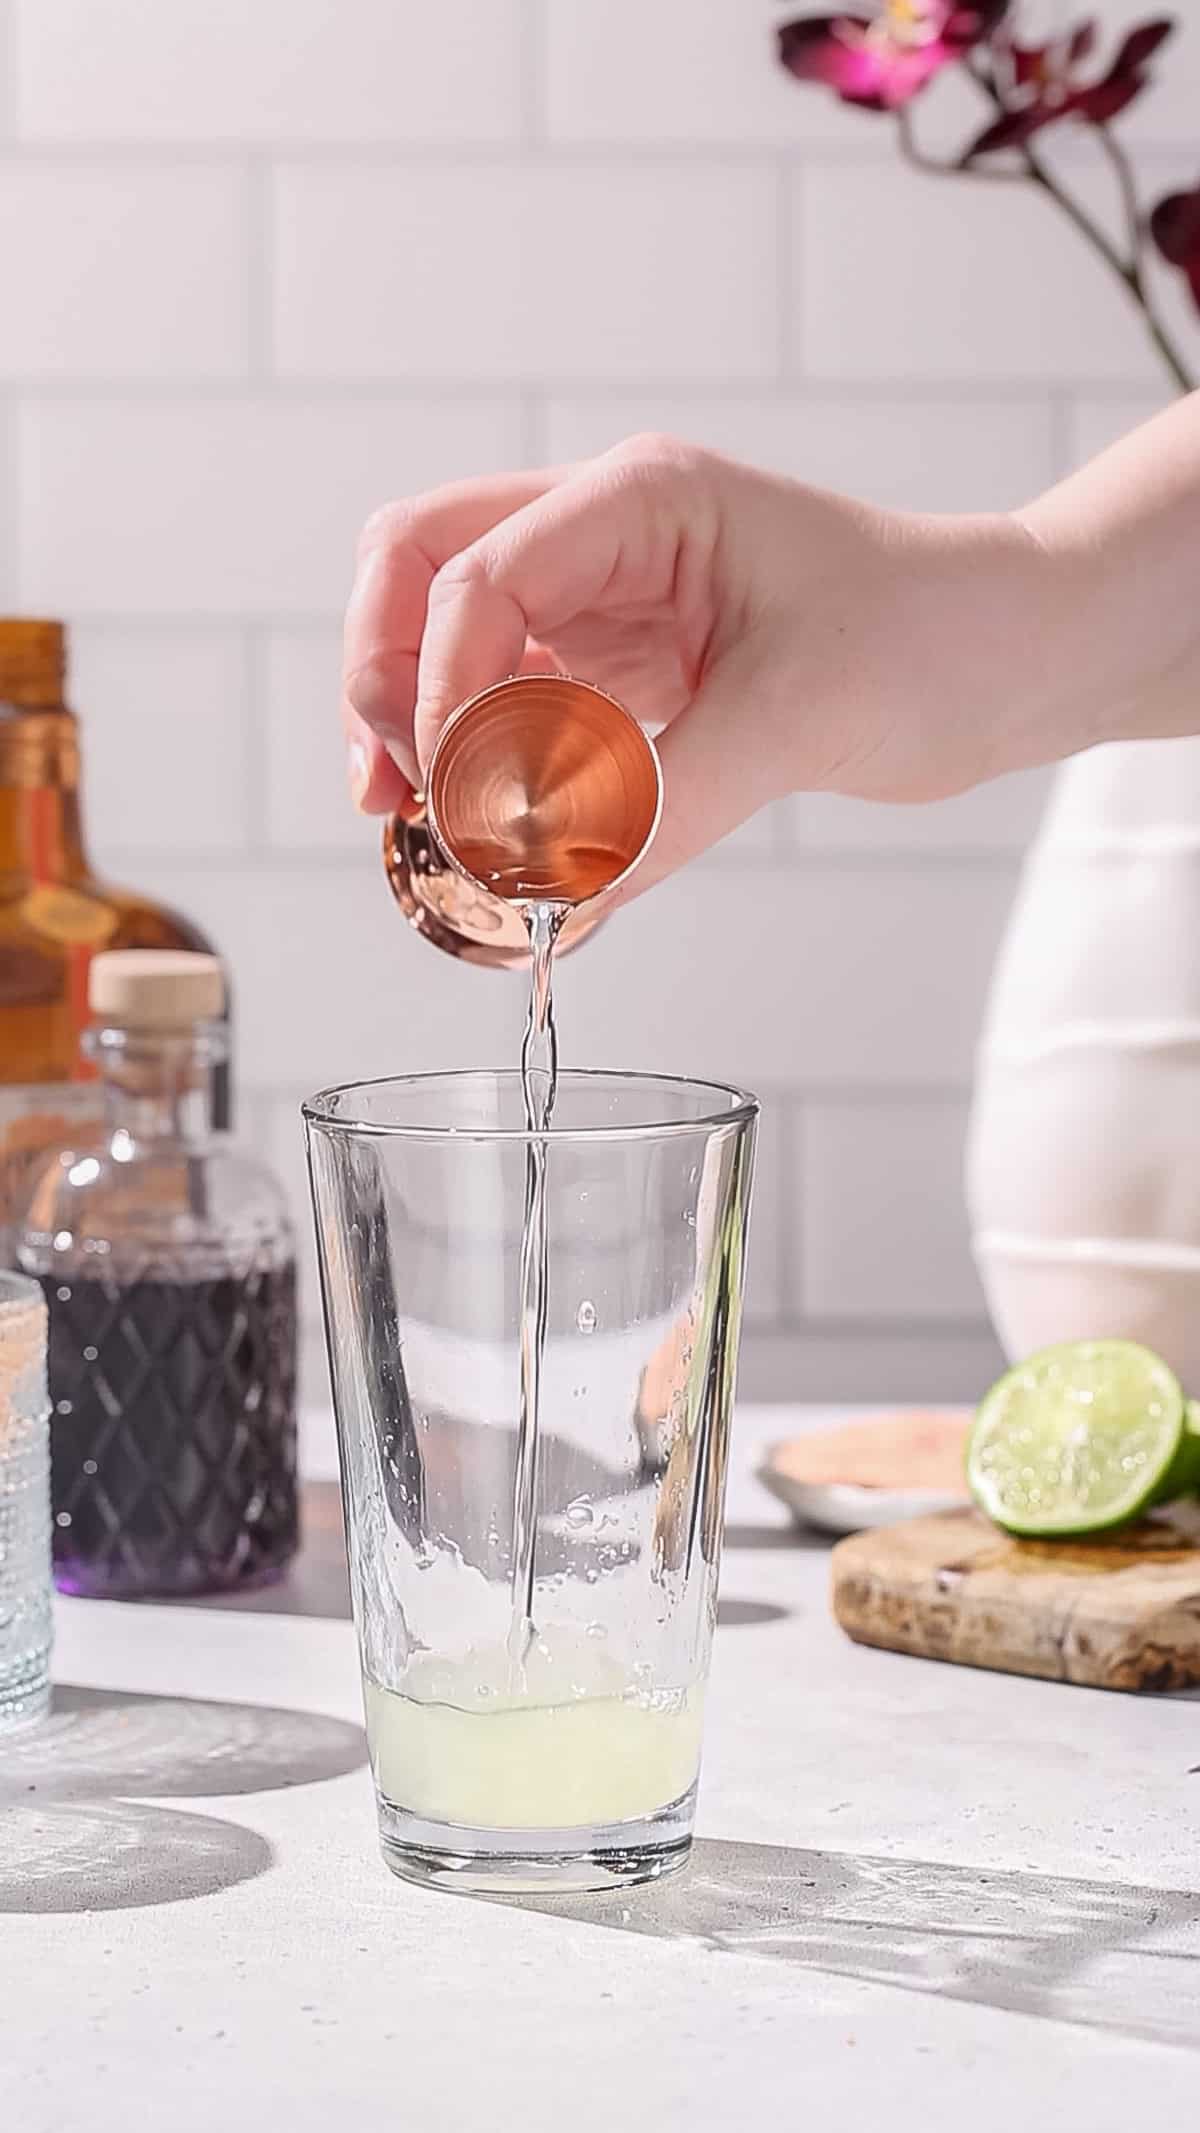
24, 1504
560, 1751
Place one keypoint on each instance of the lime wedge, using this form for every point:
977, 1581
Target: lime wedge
1078, 1439
1183, 1475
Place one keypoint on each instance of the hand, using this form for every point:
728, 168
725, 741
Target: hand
782, 638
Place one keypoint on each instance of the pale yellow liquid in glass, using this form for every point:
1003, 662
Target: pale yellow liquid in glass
574, 1743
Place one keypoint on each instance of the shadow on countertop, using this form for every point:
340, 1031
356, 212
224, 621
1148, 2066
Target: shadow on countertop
75, 1839
1125, 1960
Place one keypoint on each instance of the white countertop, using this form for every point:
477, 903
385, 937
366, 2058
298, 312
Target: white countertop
960, 1901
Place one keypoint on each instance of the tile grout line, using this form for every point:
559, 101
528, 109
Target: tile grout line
474, 151
532, 75
10, 512
345, 389
533, 429
255, 831
258, 269
1061, 406
791, 1245
789, 281
9, 60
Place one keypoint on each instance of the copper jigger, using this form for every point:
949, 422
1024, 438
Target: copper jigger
541, 789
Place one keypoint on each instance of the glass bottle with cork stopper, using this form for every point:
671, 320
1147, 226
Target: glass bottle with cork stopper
54, 916
167, 1261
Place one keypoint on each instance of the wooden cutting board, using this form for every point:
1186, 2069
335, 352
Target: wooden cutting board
1121, 1614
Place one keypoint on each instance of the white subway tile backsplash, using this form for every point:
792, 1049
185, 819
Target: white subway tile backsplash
273, 70
883, 1229
330, 983
996, 818
1097, 420
318, 1439
766, 1263
922, 1364
226, 507
928, 454
906, 276
791, 978
755, 839
675, 72
166, 727
307, 790
270, 265
282, 1144
555, 271
121, 273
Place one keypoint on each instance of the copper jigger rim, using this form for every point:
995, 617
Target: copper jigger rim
497, 688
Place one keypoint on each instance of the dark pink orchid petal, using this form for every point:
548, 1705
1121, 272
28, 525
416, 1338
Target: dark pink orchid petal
1028, 64
1141, 45
1043, 74
1082, 43
1126, 77
815, 47
1010, 131
877, 61
965, 26
832, 49
1110, 96
1175, 228
836, 50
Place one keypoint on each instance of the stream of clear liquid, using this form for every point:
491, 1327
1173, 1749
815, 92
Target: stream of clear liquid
539, 1079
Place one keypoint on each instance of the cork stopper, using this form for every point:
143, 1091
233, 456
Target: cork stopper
33, 663
155, 988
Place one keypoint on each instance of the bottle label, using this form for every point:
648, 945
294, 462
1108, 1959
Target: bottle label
67, 915
36, 1119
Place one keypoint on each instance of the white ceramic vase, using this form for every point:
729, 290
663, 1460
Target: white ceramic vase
1083, 1164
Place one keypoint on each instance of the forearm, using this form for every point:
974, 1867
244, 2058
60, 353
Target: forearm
1121, 540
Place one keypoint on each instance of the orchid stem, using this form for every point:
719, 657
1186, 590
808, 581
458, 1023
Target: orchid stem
1130, 270
1137, 259
1127, 270
913, 153
1034, 171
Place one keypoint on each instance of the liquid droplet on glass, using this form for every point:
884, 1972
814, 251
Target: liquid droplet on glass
579, 1513
585, 1317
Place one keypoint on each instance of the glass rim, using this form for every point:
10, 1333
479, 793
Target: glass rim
741, 1108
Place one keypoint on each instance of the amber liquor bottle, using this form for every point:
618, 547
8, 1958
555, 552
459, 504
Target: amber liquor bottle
55, 915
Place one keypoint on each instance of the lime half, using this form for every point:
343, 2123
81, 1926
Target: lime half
1078, 1439
1183, 1476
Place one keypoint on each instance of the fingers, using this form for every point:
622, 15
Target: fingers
377, 785
401, 550
608, 536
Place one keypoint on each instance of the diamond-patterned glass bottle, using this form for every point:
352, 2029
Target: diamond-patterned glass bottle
167, 1260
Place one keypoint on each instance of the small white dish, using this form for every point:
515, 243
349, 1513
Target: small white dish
841, 1507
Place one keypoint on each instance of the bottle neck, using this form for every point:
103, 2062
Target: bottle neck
157, 1084
41, 831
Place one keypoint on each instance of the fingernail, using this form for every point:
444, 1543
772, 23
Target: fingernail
359, 770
